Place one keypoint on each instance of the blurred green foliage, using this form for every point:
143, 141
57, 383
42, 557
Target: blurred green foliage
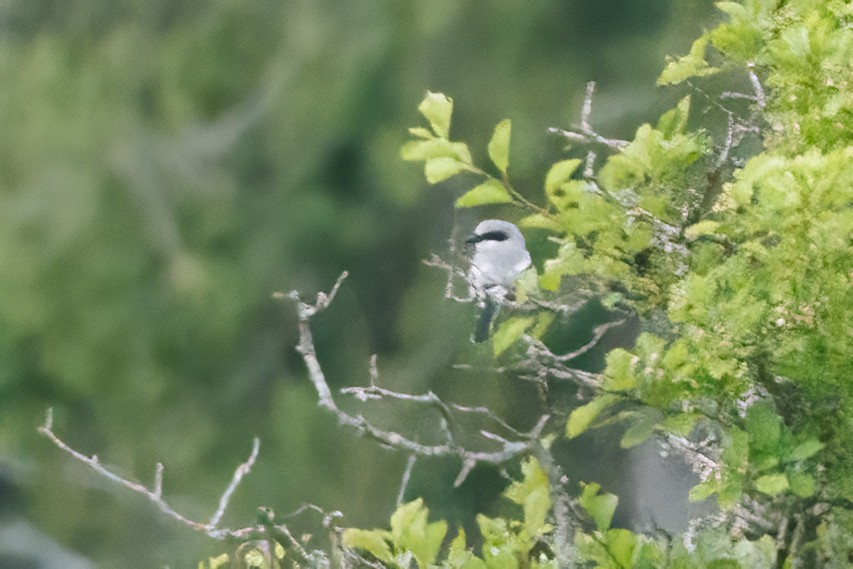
165, 166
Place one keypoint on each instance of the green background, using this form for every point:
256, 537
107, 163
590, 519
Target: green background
166, 166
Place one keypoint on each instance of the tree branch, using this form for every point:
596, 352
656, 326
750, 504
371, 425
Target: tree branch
263, 531
564, 549
508, 450
584, 133
155, 494
239, 473
452, 271
404, 482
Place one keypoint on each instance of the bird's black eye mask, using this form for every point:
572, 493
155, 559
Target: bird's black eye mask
488, 236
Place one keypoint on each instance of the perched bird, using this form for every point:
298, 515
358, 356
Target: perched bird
498, 258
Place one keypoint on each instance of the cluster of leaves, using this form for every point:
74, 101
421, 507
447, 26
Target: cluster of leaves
762, 311
444, 158
524, 542
622, 226
249, 555
747, 260
506, 543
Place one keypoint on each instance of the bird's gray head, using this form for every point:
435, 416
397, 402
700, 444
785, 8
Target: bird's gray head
499, 254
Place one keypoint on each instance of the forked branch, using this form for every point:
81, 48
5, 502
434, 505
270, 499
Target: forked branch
508, 449
584, 132
261, 531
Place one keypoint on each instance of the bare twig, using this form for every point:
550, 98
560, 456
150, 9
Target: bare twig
507, 451
584, 133
541, 359
328, 517
589, 165
564, 548
452, 272
580, 298
239, 473
467, 466
404, 482
586, 110
158, 478
727, 146
429, 398
490, 414
598, 334
517, 198
374, 370
541, 364
280, 532
155, 495
756, 85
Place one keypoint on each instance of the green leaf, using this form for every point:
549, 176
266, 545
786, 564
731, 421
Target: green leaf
373, 541
772, 484
759, 554
600, 507
543, 322
569, 261
582, 417
421, 132
439, 169
804, 450
254, 558
502, 547
701, 492
460, 557
742, 38
489, 192
619, 373
802, 484
419, 150
732, 9
763, 460
218, 562
764, 427
706, 227
642, 427
612, 299
651, 157
691, 65
437, 108
674, 120
527, 284
533, 496
651, 556
493, 530
411, 532
681, 424
509, 332
560, 173
499, 145
541, 221
571, 195
621, 544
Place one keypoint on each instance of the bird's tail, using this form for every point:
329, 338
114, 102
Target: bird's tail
484, 325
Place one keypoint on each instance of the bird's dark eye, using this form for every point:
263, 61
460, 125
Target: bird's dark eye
494, 236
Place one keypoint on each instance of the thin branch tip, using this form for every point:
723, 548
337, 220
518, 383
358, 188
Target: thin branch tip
158, 479
242, 470
47, 426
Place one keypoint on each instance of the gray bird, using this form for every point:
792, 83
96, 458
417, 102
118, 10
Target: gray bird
499, 256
